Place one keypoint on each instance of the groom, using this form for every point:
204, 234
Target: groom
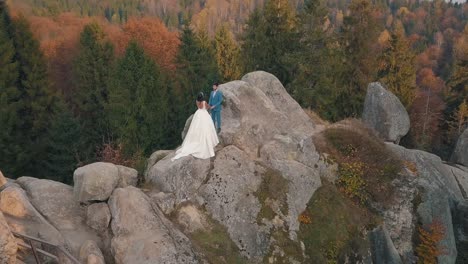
216, 98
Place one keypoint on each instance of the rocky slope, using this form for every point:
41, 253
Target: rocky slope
277, 191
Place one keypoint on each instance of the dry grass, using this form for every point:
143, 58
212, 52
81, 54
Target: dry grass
351, 142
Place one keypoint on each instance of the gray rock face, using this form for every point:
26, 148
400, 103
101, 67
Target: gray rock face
22, 217
165, 201
191, 219
440, 192
95, 182
127, 176
90, 253
383, 250
155, 157
55, 201
8, 246
258, 108
461, 176
98, 217
181, 177
229, 197
460, 154
435, 207
300, 166
385, 114
433, 173
142, 234
187, 126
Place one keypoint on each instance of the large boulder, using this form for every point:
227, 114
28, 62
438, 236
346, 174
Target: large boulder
439, 193
155, 157
95, 182
230, 199
8, 246
460, 154
385, 114
383, 250
181, 177
127, 176
186, 126
98, 217
90, 253
256, 109
55, 201
23, 218
141, 232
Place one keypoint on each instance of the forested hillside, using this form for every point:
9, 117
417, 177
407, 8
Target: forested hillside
115, 80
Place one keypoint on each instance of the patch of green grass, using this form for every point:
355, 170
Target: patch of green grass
216, 245
273, 187
336, 225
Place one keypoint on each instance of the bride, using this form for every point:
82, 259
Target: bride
201, 137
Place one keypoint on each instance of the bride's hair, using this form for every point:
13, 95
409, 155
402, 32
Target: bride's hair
201, 97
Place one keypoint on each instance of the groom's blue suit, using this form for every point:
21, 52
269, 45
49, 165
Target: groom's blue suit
216, 98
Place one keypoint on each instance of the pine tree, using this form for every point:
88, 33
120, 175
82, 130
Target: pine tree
269, 36
360, 32
227, 54
34, 103
9, 93
319, 62
197, 68
397, 70
138, 103
92, 70
63, 146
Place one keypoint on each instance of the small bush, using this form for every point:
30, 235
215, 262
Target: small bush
351, 181
428, 248
304, 218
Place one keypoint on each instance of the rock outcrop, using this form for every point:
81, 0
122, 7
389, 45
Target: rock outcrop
385, 114
98, 217
90, 253
460, 154
256, 201
95, 182
55, 201
8, 246
264, 131
141, 235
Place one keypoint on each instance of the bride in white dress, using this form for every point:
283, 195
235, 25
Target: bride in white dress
201, 137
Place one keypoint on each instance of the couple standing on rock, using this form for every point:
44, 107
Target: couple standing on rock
201, 137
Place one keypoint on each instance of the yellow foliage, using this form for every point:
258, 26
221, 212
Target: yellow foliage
305, 219
351, 181
429, 237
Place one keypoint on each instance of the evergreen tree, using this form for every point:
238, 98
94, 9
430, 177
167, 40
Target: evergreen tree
397, 70
9, 94
138, 105
197, 68
227, 54
63, 146
24, 97
92, 69
359, 37
269, 36
319, 63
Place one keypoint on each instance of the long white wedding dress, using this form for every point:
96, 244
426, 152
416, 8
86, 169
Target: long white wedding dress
201, 137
